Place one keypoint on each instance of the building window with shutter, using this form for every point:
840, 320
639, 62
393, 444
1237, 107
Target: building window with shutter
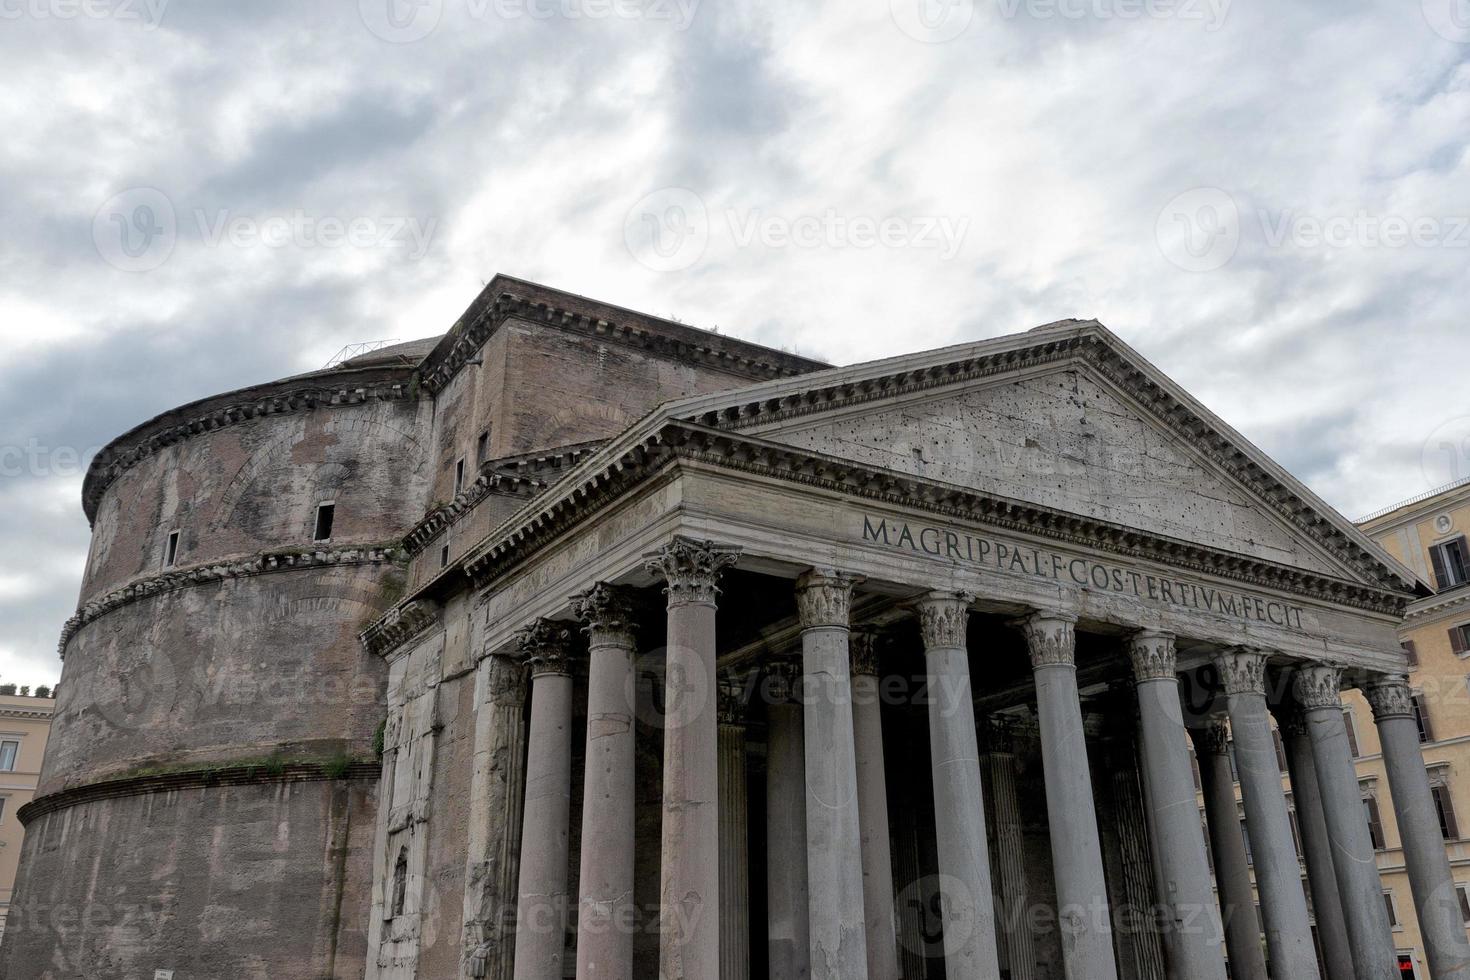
1451, 562
1375, 824
1421, 718
1349, 726
1460, 639
1393, 915
1411, 653
1445, 809
1464, 892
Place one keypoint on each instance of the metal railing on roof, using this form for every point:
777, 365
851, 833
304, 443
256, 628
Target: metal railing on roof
357, 350
1463, 481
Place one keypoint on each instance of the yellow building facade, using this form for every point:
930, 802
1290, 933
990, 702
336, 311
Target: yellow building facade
25, 723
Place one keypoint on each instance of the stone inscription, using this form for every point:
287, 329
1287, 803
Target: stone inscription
1022, 559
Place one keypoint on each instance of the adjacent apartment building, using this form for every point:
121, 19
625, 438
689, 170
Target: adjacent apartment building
25, 722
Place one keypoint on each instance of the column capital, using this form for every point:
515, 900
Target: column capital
1211, 738
943, 617
731, 702
545, 646
606, 612
1317, 686
1051, 638
1242, 670
1153, 656
824, 597
1390, 697
691, 568
1291, 719
863, 649
783, 676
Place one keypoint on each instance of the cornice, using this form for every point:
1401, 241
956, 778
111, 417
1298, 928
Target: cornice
207, 573
26, 714
1092, 349
1440, 604
674, 340
338, 389
401, 624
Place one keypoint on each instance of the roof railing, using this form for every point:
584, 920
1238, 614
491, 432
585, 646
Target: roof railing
357, 350
1463, 481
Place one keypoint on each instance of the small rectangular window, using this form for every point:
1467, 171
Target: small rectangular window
1421, 718
1464, 892
1444, 808
1349, 725
1393, 916
1280, 750
444, 557
8, 752
1375, 823
324, 516
171, 550
459, 476
1411, 652
1460, 639
2, 809
482, 448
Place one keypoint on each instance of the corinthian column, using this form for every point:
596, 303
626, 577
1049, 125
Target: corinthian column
541, 910
1232, 870
1428, 865
968, 901
867, 726
689, 921
787, 937
833, 832
1370, 936
1010, 849
1278, 876
497, 793
1194, 936
605, 903
1082, 893
734, 838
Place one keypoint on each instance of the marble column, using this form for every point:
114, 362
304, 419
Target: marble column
1332, 934
497, 794
1141, 946
689, 886
1278, 875
1193, 934
734, 837
878, 916
1430, 879
834, 841
968, 898
1370, 937
1082, 894
1010, 869
541, 907
1232, 870
605, 893
787, 936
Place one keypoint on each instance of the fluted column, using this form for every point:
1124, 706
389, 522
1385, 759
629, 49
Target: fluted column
605, 899
1194, 935
1430, 879
1010, 869
1315, 689
968, 899
1232, 870
867, 724
541, 907
1141, 947
497, 794
834, 841
787, 936
1278, 876
734, 838
1332, 933
1082, 894
689, 920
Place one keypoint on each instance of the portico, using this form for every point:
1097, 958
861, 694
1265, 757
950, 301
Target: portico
881, 663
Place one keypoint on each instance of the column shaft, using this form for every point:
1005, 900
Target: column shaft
1278, 875
878, 917
1359, 887
787, 936
689, 887
1082, 903
1193, 935
605, 904
541, 909
1009, 850
1232, 870
834, 841
734, 843
1316, 847
1430, 878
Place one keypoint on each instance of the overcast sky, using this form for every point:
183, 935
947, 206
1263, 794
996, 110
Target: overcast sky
1269, 200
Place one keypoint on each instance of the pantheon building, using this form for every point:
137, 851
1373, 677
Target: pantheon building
582, 643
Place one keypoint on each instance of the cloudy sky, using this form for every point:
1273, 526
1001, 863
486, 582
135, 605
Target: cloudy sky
1269, 200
